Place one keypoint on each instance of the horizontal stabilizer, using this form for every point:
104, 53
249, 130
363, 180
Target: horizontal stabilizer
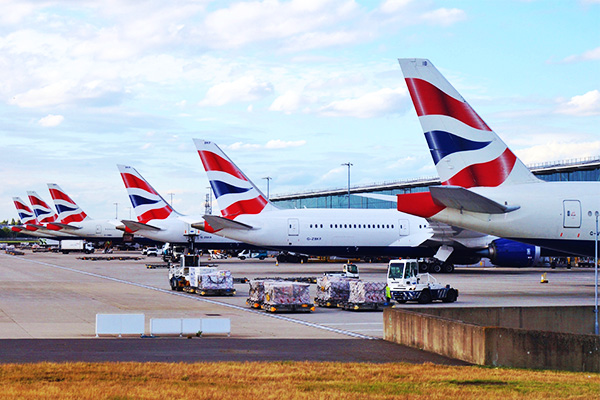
463, 199
392, 198
66, 226
138, 226
218, 223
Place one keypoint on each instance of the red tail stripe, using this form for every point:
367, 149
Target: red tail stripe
132, 181
429, 100
252, 206
490, 174
158, 213
214, 162
58, 195
74, 218
420, 204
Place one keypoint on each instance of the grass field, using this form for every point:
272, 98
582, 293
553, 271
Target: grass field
287, 380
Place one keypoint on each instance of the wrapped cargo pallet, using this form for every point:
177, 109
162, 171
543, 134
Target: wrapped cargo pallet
332, 290
216, 280
256, 293
367, 292
287, 296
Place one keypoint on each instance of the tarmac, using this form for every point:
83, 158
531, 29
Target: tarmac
49, 302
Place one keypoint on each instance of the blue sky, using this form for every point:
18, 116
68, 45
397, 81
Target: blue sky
289, 89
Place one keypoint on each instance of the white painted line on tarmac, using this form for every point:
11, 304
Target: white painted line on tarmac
198, 298
353, 323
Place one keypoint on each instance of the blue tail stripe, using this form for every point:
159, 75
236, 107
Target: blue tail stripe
141, 201
220, 188
62, 208
443, 143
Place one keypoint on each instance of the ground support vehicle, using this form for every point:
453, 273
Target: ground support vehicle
348, 271
287, 297
332, 290
68, 246
261, 255
406, 284
179, 274
291, 257
365, 295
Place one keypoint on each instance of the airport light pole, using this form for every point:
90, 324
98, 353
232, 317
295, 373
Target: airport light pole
348, 164
596, 275
268, 178
171, 194
116, 210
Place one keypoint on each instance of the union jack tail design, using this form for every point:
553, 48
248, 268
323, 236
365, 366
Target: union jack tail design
147, 203
68, 211
465, 150
25, 214
41, 209
235, 193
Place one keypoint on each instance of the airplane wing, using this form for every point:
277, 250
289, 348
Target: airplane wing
138, 226
463, 199
218, 223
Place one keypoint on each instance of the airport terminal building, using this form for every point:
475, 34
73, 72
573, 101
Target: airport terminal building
587, 169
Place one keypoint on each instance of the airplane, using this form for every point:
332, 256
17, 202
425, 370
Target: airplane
157, 220
46, 216
485, 187
75, 221
247, 215
29, 222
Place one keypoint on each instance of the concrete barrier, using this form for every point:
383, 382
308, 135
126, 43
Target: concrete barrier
119, 324
523, 337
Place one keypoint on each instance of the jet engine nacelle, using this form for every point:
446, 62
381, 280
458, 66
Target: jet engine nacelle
508, 253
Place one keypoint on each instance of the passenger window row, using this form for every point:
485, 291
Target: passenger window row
355, 226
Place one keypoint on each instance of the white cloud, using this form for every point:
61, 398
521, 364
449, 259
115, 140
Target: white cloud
585, 105
288, 102
370, 105
276, 144
558, 151
444, 16
281, 144
392, 6
248, 22
243, 89
51, 120
589, 55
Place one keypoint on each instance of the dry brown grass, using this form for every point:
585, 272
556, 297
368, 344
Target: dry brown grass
287, 380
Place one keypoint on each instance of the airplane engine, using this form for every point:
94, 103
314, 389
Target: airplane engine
508, 253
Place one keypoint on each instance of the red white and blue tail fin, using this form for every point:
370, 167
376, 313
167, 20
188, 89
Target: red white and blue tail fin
147, 203
68, 210
26, 215
465, 150
235, 193
41, 209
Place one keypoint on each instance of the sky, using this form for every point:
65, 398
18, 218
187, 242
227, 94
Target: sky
288, 89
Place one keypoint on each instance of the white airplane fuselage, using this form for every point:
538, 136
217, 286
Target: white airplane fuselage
342, 232
178, 230
556, 215
96, 229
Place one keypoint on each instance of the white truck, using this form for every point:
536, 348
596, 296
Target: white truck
348, 271
68, 246
406, 284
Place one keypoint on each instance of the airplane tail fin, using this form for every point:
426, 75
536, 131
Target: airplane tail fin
41, 209
235, 193
466, 152
68, 210
147, 203
26, 215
